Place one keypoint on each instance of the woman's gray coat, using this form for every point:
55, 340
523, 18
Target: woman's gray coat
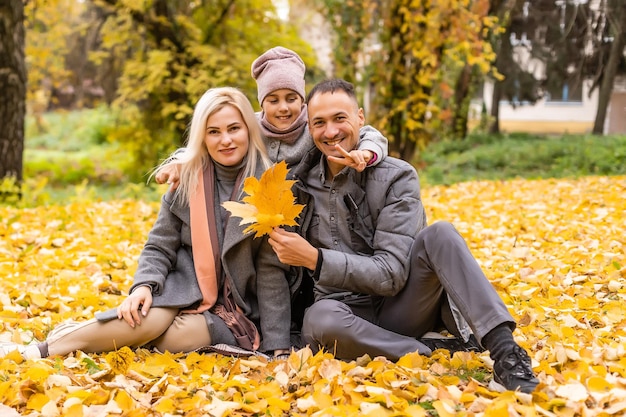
166, 265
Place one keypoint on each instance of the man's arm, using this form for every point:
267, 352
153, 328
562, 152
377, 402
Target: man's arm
292, 249
400, 216
384, 272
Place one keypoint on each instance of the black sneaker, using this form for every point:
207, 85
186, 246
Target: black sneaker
515, 372
452, 344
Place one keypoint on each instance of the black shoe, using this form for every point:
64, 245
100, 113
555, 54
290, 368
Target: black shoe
452, 344
514, 371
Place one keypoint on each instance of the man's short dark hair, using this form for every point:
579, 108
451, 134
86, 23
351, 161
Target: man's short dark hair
330, 86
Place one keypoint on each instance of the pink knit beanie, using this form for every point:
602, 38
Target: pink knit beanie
278, 68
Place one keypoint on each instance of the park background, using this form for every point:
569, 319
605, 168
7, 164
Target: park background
506, 108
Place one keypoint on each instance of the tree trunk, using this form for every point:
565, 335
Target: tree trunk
461, 102
502, 9
408, 153
12, 89
495, 107
608, 78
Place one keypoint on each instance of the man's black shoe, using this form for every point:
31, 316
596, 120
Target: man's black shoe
452, 344
515, 372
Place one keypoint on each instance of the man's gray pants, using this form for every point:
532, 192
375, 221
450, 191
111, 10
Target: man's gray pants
446, 288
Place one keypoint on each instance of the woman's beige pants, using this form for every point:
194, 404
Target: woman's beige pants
163, 328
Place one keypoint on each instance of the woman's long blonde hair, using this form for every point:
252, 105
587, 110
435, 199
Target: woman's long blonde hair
193, 158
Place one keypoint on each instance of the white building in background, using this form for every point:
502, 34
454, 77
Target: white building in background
549, 115
557, 116
571, 109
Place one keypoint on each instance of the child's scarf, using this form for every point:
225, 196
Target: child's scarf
288, 135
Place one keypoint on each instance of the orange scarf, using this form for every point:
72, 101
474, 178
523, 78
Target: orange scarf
206, 259
207, 262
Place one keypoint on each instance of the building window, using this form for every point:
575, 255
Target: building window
565, 92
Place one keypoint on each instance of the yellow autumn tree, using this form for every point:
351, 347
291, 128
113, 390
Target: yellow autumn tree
51, 26
410, 54
173, 52
152, 59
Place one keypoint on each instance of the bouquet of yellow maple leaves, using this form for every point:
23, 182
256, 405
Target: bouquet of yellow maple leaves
269, 202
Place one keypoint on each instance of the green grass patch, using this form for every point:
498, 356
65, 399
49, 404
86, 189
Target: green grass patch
69, 131
71, 155
491, 157
68, 156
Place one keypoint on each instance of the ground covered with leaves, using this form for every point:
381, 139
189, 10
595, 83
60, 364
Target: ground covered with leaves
554, 249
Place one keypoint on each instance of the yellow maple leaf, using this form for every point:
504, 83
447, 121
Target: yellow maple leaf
120, 360
269, 202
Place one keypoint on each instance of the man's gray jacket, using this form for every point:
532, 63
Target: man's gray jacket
386, 212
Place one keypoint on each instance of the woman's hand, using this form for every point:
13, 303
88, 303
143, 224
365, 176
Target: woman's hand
356, 158
293, 249
141, 297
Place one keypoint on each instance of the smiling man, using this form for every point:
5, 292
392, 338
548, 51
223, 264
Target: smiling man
335, 126
382, 278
